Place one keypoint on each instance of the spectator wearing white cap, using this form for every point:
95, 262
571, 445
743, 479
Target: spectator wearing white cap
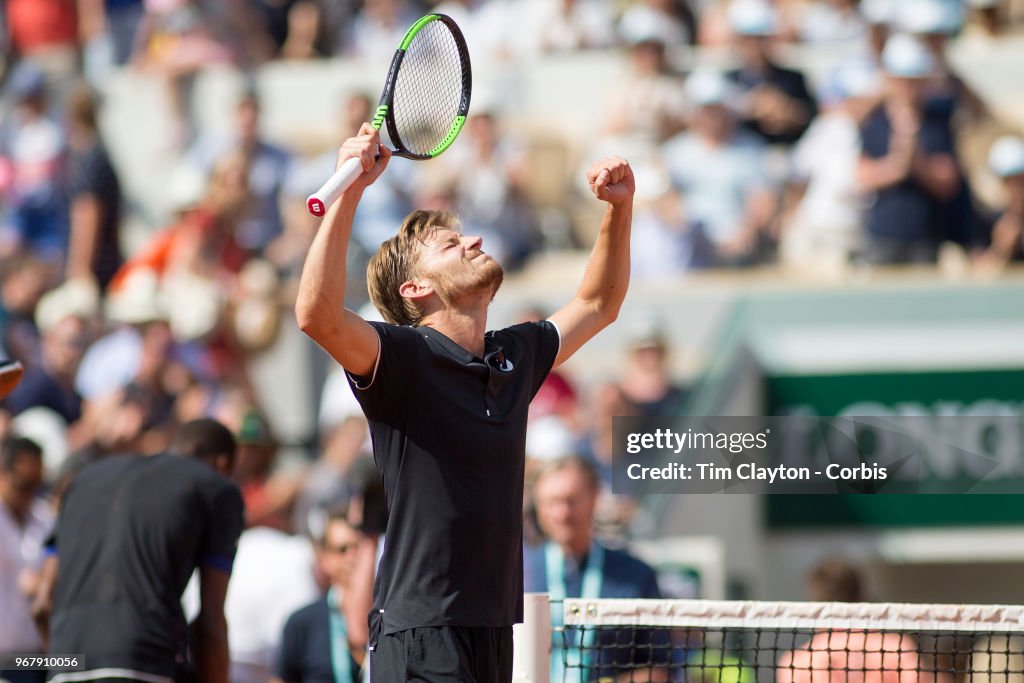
1006, 160
672, 21
64, 318
878, 14
720, 171
555, 26
646, 379
832, 22
778, 105
934, 22
823, 223
112, 361
647, 104
907, 160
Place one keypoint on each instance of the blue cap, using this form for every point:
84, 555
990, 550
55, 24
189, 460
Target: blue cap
27, 81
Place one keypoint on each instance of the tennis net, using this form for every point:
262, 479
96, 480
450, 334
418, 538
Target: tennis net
698, 641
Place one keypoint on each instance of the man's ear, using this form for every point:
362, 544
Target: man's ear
416, 289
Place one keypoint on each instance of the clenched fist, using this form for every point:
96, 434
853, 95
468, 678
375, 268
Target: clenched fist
611, 180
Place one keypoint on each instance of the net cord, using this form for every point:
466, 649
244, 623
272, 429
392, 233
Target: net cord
795, 615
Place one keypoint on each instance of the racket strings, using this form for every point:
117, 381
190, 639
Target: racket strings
428, 89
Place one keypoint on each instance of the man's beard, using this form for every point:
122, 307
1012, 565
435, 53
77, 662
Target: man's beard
484, 281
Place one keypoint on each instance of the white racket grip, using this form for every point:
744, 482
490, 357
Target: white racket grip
329, 192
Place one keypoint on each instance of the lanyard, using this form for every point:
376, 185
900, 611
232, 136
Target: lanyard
593, 577
341, 661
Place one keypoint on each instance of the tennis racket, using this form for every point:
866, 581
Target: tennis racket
10, 374
424, 103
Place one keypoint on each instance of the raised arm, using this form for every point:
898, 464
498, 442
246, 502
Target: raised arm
320, 307
606, 279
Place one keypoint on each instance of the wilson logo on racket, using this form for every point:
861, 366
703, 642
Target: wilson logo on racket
424, 103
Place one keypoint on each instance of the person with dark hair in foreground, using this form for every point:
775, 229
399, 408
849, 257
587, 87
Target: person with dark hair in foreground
25, 522
325, 642
447, 404
131, 530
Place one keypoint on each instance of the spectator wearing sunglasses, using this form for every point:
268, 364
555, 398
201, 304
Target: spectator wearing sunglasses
325, 641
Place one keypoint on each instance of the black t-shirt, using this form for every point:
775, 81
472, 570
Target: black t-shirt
905, 211
91, 173
789, 82
449, 440
130, 532
305, 655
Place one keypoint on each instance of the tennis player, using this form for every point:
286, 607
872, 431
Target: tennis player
447, 405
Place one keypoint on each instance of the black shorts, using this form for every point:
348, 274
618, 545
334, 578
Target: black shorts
443, 654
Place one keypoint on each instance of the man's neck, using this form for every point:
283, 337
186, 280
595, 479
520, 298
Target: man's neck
576, 549
465, 327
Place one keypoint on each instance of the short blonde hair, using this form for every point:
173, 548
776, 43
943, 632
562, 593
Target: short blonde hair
395, 263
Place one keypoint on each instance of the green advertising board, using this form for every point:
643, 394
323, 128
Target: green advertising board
938, 395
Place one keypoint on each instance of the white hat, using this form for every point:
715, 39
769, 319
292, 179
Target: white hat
905, 56
193, 303
943, 17
706, 87
137, 299
878, 11
644, 333
549, 438
753, 18
78, 298
49, 431
1006, 158
643, 24
652, 180
852, 78
185, 187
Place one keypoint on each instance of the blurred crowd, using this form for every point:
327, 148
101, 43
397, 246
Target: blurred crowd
882, 155
740, 163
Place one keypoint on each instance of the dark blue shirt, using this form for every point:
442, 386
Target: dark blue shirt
905, 212
39, 390
624, 576
91, 174
305, 655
